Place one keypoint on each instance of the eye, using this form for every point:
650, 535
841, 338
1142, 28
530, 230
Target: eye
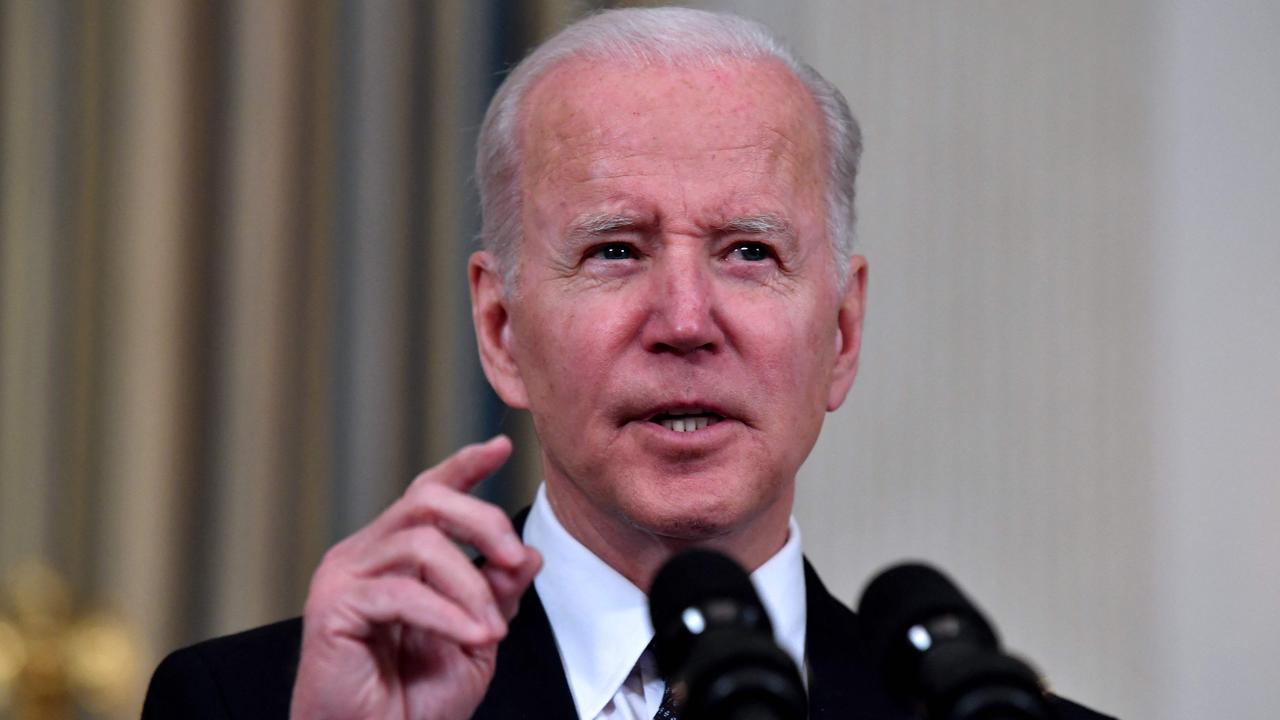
751, 251
613, 251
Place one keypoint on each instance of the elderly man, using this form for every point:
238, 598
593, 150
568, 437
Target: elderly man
668, 286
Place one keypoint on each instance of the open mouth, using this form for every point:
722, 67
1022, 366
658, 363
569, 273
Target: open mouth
686, 420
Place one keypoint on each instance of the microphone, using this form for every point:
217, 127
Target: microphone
936, 650
714, 643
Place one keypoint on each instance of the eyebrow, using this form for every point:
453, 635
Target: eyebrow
767, 224
601, 223
597, 224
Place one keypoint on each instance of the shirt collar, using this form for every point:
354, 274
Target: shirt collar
601, 620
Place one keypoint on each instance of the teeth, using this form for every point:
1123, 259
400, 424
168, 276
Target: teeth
689, 423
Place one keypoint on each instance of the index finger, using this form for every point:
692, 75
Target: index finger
465, 469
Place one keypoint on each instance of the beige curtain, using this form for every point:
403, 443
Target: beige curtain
233, 312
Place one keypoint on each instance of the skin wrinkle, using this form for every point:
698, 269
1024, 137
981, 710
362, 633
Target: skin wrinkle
566, 265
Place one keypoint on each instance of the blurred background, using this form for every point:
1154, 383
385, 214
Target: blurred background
234, 320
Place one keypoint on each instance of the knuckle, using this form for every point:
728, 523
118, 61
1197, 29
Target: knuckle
324, 581
333, 557
426, 499
319, 609
471, 588
495, 521
427, 539
325, 588
328, 622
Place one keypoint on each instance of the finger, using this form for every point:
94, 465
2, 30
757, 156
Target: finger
425, 552
481, 525
462, 517
465, 469
452, 477
398, 599
509, 585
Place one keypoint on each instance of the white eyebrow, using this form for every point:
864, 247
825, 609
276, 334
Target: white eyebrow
597, 224
602, 223
758, 225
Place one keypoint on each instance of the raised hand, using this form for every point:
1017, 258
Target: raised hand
399, 623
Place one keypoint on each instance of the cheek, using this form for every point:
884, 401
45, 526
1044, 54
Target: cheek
570, 352
798, 359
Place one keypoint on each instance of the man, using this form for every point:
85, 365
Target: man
668, 286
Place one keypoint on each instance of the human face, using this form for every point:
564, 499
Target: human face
674, 261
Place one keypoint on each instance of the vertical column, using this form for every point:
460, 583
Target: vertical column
28, 243
80, 441
373, 241
257, 347
458, 88
144, 431
317, 182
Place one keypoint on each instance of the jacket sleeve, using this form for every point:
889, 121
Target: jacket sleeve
246, 676
1067, 710
183, 687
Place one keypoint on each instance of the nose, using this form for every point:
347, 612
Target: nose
683, 313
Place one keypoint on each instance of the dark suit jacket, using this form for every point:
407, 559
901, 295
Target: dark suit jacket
250, 675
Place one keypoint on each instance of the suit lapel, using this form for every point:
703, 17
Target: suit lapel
529, 680
842, 683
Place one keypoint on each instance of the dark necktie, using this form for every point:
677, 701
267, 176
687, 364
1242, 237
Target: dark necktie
666, 710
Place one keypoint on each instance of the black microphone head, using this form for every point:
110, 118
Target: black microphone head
714, 643
908, 595
935, 648
695, 590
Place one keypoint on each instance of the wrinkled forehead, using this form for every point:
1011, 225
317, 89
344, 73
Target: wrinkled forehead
586, 105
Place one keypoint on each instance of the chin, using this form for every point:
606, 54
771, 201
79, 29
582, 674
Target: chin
690, 528
689, 520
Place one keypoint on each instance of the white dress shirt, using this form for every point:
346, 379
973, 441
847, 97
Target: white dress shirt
601, 621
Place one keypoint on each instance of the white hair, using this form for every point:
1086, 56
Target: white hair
649, 36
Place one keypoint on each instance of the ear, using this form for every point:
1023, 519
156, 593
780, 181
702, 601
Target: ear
848, 333
494, 334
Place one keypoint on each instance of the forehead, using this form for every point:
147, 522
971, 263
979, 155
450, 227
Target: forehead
587, 120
